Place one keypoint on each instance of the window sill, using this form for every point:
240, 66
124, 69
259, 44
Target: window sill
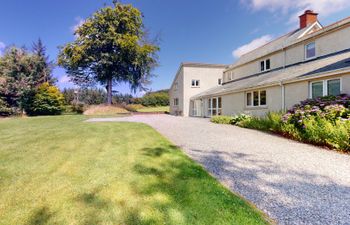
307, 59
255, 107
194, 87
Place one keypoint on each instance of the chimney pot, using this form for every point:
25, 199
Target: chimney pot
309, 17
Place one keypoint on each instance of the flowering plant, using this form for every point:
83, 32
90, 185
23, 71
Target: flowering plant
332, 108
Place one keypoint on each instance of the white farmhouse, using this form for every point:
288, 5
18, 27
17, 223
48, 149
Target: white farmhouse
309, 62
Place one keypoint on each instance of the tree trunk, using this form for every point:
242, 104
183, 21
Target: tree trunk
109, 91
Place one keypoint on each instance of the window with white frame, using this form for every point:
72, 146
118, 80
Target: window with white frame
232, 75
219, 81
310, 50
265, 65
195, 83
249, 99
214, 106
256, 98
176, 101
325, 87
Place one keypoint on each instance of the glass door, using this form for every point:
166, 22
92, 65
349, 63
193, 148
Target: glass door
214, 106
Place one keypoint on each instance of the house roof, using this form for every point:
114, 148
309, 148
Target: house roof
292, 73
287, 40
206, 65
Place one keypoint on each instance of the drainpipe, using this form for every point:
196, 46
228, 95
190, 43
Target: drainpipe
282, 96
281, 83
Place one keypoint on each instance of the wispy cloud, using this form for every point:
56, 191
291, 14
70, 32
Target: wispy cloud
78, 22
293, 8
2, 47
256, 43
64, 79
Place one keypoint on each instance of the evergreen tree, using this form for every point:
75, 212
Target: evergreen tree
21, 72
42, 65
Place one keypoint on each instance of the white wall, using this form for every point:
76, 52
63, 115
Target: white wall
177, 93
235, 103
208, 77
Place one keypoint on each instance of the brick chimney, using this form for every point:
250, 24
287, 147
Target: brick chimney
309, 17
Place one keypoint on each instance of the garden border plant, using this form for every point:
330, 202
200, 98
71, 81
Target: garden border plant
323, 121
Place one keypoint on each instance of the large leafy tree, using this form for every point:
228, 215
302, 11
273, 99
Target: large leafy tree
111, 47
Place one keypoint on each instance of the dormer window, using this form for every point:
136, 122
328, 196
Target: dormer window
262, 66
265, 65
232, 75
310, 50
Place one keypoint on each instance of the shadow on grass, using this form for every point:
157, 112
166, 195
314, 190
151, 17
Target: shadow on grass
99, 210
192, 196
91, 199
41, 216
95, 205
158, 151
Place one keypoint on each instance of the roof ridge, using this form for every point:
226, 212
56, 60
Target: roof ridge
203, 64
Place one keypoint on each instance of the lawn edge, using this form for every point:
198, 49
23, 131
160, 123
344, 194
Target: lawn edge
264, 215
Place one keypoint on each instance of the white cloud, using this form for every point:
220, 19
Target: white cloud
64, 79
238, 52
2, 47
78, 22
296, 7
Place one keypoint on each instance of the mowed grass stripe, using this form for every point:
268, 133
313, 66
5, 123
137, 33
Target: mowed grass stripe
62, 170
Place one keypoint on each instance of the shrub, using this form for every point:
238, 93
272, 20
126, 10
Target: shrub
160, 98
271, 122
323, 121
133, 107
222, 119
45, 100
101, 110
322, 131
230, 119
240, 118
322, 102
5, 110
78, 107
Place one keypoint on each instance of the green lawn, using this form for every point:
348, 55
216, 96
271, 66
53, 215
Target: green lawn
62, 170
155, 109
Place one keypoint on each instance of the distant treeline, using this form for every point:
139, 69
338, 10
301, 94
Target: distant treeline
96, 96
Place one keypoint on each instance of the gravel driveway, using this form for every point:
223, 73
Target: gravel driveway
293, 183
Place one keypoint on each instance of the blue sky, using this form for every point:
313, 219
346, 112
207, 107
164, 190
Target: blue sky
191, 30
